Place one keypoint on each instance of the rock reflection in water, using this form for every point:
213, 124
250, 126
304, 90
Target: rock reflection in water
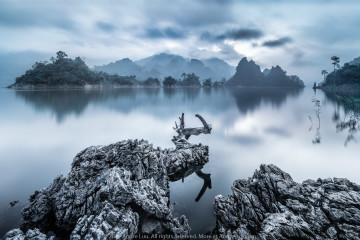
181, 142
207, 183
250, 98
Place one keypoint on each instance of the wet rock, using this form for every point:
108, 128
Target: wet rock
112, 192
270, 205
31, 234
13, 203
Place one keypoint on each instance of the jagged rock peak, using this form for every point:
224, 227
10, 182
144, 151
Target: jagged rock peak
270, 205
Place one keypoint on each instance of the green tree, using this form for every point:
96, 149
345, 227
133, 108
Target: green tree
207, 83
324, 73
169, 81
61, 55
336, 61
190, 80
151, 82
183, 75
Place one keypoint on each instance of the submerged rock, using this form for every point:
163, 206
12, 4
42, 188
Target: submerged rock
112, 192
270, 205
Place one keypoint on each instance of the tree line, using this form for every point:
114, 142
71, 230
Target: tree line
64, 71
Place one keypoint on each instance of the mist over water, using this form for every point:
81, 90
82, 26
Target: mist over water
42, 131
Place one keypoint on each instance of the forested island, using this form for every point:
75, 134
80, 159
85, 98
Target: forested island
64, 72
345, 78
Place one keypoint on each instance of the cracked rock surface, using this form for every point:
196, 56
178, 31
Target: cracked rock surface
270, 206
111, 192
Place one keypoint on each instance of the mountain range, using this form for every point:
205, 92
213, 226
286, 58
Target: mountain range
163, 65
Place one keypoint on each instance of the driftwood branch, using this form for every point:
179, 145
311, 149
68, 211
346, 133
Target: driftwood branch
185, 133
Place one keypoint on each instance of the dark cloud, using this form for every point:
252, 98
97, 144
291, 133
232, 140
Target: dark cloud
164, 33
277, 43
242, 34
106, 27
239, 34
22, 17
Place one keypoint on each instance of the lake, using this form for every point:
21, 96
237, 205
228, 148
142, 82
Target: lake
295, 129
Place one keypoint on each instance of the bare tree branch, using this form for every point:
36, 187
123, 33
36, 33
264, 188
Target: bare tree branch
185, 133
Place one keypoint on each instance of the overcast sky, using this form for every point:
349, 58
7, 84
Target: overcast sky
300, 36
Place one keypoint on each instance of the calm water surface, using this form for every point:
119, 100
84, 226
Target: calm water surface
41, 132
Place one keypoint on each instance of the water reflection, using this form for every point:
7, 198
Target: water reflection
346, 114
317, 108
249, 99
45, 129
63, 103
207, 183
206, 177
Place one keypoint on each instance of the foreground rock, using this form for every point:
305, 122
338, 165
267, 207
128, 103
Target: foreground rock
270, 205
112, 192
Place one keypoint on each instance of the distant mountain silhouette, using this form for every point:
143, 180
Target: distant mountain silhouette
164, 64
220, 68
248, 73
126, 67
356, 61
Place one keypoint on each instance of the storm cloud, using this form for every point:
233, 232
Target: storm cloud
238, 34
278, 42
269, 32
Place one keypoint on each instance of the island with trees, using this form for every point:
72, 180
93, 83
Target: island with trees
345, 78
64, 72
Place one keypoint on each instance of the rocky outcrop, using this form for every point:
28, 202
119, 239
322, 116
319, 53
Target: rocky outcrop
248, 73
112, 192
270, 205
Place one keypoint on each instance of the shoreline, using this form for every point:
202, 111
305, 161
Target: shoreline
122, 191
99, 87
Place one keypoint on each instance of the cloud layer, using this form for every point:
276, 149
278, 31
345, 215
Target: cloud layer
300, 36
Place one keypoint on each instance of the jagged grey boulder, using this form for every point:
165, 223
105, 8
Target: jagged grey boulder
115, 192
31, 234
112, 192
270, 205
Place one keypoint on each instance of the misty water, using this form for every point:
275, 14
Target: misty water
41, 132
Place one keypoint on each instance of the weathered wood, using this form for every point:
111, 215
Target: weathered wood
185, 133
